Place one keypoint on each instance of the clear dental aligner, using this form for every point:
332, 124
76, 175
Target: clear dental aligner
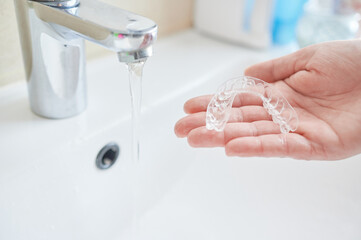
219, 108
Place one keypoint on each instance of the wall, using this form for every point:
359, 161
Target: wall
170, 15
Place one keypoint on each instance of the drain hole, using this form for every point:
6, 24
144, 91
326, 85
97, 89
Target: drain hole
107, 156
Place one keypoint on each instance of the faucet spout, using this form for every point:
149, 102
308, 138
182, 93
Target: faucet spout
113, 28
52, 34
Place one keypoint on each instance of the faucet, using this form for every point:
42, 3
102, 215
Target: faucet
52, 34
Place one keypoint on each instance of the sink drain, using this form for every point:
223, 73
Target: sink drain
107, 156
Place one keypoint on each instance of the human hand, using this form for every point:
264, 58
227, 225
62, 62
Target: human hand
323, 84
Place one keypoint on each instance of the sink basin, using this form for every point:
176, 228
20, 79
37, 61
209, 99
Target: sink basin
50, 187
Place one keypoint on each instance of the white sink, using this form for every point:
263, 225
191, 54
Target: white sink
50, 187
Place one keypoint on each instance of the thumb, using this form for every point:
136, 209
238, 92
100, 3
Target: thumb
283, 67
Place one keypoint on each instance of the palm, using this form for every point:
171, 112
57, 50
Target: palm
322, 122
320, 82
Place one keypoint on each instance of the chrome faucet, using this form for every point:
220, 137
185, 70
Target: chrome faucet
52, 34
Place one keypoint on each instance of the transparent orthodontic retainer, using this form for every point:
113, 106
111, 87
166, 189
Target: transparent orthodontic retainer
219, 108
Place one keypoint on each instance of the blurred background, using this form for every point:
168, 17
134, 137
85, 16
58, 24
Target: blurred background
249, 23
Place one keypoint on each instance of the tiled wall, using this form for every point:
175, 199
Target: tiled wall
170, 15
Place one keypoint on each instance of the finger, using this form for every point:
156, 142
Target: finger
200, 104
283, 67
202, 137
197, 104
274, 145
242, 114
189, 122
250, 129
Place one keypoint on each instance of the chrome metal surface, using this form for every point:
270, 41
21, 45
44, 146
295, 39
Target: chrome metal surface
135, 55
52, 34
59, 3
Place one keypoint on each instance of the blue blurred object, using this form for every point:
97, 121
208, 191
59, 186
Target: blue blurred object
286, 16
328, 21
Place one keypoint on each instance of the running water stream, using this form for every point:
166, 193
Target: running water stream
135, 82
